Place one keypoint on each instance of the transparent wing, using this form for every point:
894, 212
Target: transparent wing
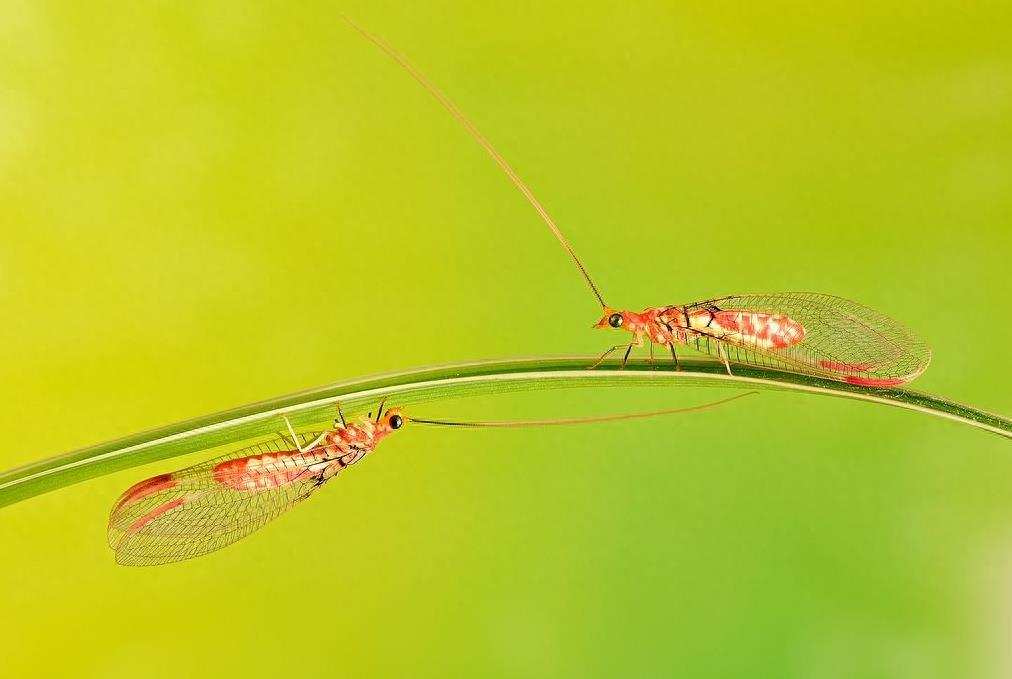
843, 340
205, 507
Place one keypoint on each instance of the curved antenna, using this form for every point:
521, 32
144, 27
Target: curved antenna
582, 420
485, 144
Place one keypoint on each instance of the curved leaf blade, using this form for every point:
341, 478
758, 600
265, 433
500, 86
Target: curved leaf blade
431, 384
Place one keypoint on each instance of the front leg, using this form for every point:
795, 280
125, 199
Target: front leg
635, 344
606, 355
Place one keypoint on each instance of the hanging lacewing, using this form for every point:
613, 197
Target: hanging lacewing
203, 508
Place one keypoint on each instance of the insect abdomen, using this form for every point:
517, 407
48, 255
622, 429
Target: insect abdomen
766, 331
270, 470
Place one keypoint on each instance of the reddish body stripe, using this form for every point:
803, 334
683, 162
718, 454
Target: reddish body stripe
262, 472
875, 381
153, 514
146, 487
774, 330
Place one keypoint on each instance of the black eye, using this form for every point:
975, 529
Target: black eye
396, 421
615, 320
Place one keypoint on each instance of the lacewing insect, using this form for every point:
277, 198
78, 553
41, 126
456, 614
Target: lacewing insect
801, 332
200, 509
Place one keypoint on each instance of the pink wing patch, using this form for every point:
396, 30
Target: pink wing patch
262, 472
153, 514
141, 490
841, 367
875, 381
773, 331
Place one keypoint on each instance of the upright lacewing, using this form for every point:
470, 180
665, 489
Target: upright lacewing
200, 509
802, 332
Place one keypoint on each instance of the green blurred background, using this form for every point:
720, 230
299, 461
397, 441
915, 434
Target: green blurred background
205, 204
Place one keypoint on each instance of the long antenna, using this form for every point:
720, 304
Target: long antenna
582, 420
485, 144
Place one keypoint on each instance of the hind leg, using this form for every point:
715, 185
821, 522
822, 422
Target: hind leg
606, 355
295, 439
722, 355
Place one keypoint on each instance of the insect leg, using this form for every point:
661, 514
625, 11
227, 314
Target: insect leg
723, 356
295, 439
606, 355
314, 443
637, 343
651, 353
625, 359
671, 343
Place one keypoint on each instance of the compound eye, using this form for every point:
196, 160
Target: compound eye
615, 320
396, 421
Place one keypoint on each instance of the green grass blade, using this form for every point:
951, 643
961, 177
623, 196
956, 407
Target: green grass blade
430, 384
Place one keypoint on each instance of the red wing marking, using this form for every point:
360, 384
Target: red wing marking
154, 514
839, 367
874, 381
146, 487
